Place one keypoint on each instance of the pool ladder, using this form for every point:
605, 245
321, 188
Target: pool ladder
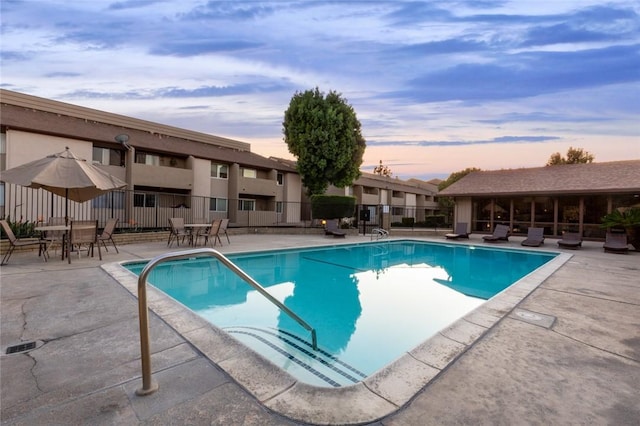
148, 385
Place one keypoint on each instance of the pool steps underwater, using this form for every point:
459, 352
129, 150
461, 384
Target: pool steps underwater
279, 345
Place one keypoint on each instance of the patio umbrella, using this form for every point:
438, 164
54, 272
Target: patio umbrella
65, 175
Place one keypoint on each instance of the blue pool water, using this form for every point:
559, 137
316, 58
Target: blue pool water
369, 303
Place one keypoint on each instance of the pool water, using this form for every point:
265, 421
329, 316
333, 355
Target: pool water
369, 303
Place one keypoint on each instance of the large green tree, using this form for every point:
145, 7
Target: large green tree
323, 132
574, 156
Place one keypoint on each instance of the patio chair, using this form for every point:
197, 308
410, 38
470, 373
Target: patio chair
213, 233
107, 234
570, 240
197, 232
332, 229
223, 229
178, 231
500, 233
18, 242
616, 242
535, 237
460, 231
83, 233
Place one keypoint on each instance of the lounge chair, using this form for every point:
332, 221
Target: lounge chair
616, 242
332, 229
107, 234
17, 242
570, 240
535, 237
500, 233
460, 231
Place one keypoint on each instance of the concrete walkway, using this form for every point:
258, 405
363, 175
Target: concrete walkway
580, 367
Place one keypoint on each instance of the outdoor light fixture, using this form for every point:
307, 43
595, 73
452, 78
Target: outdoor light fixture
122, 140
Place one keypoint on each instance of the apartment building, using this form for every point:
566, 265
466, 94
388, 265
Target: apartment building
169, 171
387, 199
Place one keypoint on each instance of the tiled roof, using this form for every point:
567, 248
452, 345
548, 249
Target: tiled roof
615, 176
412, 185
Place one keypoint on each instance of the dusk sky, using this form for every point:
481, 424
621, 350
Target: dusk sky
438, 86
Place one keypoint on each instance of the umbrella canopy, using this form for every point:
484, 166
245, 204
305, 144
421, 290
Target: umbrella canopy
66, 175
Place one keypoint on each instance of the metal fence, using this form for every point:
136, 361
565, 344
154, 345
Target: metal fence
143, 211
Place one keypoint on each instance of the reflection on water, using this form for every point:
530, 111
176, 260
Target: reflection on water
330, 303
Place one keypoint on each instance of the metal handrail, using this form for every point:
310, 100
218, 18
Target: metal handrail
379, 233
148, 385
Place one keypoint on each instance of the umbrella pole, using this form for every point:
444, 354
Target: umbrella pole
66, 206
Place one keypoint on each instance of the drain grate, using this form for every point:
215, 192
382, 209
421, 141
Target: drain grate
21, 347
534, 318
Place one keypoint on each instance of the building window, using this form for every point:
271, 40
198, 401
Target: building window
218, 204
148, 159
569, 210
502, 211
220, 171
246, 205
249, 173
280, 179
279, 206
626, 200
144, 200
111, 200
482, 214
107, 156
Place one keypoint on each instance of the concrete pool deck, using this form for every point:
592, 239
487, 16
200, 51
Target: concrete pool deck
568, 353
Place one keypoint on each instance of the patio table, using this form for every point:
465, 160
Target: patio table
51, 228
198, 227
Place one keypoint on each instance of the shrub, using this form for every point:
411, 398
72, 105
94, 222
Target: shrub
21, 229
332, 206
434, 221
408, 221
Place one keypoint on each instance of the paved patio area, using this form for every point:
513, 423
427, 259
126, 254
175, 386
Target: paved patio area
581, 367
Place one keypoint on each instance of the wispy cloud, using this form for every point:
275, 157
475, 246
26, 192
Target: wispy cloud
423, 77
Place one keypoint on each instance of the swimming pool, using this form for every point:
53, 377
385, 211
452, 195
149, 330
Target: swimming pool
370, 303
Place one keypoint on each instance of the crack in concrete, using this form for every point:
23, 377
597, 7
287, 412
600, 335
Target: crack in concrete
28, 354
33, 373
24, 319
592, 296
79, 333
596, 347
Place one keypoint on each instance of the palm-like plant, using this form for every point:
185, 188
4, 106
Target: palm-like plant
628, 219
